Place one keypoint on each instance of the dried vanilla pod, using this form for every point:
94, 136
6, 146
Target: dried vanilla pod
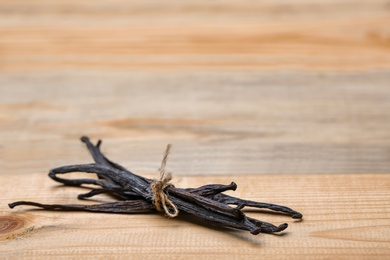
137, 194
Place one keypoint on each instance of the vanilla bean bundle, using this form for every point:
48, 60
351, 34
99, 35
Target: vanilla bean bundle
137, 194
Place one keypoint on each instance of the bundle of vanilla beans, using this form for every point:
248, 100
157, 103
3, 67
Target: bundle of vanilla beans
137, 194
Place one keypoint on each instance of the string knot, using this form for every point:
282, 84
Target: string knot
158, 187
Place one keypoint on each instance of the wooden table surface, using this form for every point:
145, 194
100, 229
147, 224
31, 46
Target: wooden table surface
289, 99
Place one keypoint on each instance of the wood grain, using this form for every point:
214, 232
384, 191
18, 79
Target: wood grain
290, 99
345, 216
326, 35
241, 123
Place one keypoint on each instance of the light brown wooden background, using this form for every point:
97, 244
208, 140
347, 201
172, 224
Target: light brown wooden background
290, 99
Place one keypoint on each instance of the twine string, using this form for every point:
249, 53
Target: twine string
158, 186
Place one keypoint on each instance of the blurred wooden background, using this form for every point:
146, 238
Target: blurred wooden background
240, 88
126, 35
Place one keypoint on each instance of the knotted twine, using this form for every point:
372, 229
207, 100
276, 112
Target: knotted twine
158, 186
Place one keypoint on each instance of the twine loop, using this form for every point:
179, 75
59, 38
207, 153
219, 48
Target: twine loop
158, 186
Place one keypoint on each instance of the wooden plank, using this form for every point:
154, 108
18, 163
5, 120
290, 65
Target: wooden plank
345, 216
218, 123
325, 35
